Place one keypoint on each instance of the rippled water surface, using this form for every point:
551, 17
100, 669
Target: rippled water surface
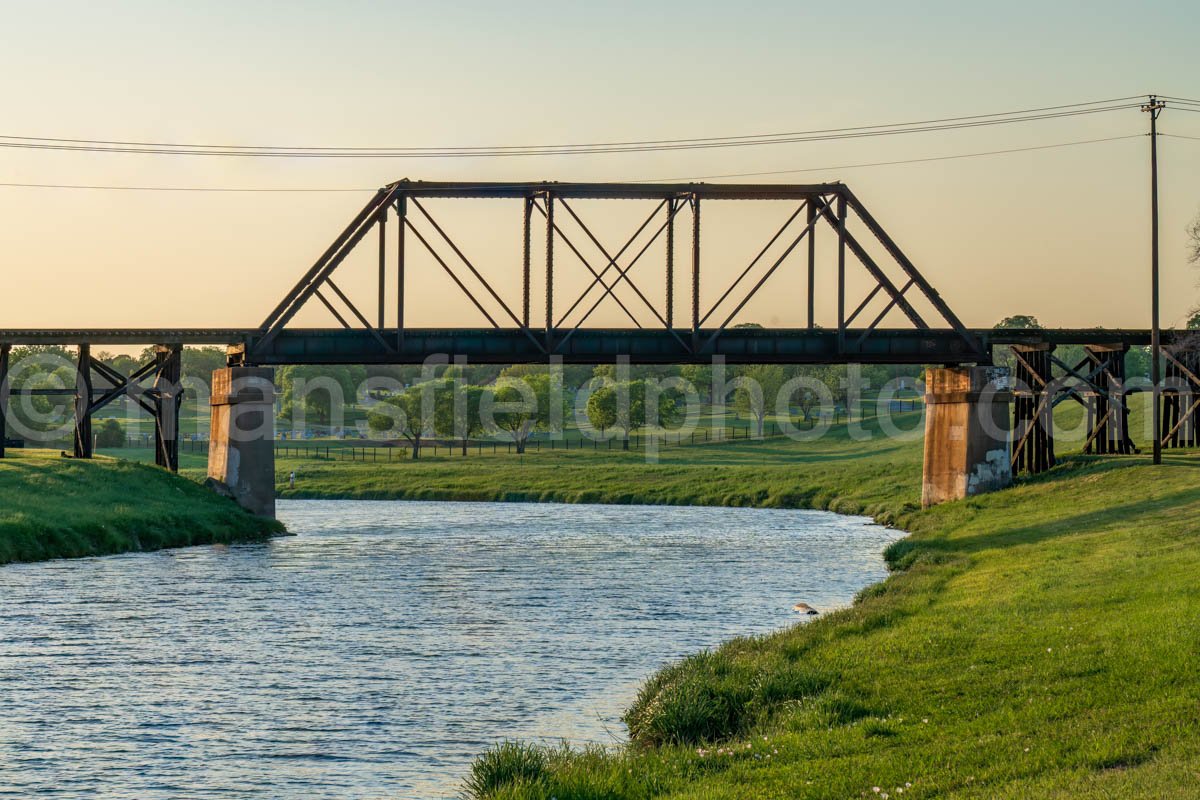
374, 653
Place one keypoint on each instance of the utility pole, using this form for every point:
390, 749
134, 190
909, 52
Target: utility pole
1154, 108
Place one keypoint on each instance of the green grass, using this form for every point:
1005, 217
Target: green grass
53, 507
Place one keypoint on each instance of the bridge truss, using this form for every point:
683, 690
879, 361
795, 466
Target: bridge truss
673, 330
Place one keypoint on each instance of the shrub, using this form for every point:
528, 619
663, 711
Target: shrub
713, 696
505, 765
110, 434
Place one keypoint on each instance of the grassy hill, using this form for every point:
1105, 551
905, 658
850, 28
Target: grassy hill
53, 507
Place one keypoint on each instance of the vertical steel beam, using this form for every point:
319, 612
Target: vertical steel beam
812, 260
4, 350
526, 261
167, 399
695, 271
841, 270
401, 216
382, 266
83, 400
549, 271
671, 264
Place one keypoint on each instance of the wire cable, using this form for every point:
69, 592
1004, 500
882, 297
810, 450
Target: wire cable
655, 180
1005, 118
489, 148
905, 161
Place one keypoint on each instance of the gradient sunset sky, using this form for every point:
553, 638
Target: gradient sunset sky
1059, 233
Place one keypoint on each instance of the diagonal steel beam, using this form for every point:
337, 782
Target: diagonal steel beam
828, 214
612, 262
808, 229
332, 310
372, 207
320, 271
361, 318
862, 306
624, 272
450, 272
587, 264
910, 269
516, 320
755, 261
874, 323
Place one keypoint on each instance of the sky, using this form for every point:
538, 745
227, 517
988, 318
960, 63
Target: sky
1060, 233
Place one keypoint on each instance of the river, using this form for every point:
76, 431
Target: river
375, 652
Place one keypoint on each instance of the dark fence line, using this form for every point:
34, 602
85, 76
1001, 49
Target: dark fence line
380, 452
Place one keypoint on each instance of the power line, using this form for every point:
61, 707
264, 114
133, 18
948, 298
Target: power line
1003, 118
1181, 136
656, 180
180, 188
491, 148
904, 161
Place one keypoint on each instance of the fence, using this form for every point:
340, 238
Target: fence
339, 450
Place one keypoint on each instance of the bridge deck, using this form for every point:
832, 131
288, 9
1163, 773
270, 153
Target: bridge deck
588, 345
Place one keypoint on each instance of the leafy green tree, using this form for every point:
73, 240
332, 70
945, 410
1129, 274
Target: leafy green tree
602, 408
456, 411
519, 406
319, 391
40, 367
201, 362
700, 376
401, 415
757, 390
624, 406
1020, 321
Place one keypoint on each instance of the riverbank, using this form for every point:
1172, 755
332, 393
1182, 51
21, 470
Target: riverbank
1037, 642
54, 507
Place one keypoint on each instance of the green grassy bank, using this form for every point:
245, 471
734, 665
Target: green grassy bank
1038, 642
52, 507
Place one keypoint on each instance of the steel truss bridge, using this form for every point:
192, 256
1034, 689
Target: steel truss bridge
667, 331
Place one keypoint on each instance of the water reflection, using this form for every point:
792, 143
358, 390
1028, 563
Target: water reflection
373, 654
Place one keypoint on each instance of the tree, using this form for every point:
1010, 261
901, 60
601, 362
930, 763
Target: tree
757, 391
401, 415
1022, 321
456, 411
519, 406
700, 376
320, 391
602, 408
201, 362
40, 367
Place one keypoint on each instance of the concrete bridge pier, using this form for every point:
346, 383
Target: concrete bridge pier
966, 433
241, 452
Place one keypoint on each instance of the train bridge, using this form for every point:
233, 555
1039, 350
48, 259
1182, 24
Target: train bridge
663, 326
